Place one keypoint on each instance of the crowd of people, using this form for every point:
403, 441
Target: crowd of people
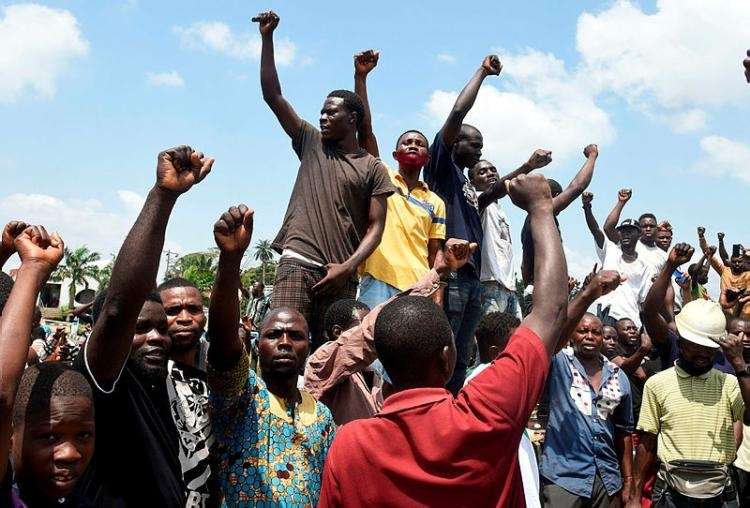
394, 363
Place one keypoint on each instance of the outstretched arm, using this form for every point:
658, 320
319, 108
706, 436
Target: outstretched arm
232, 232
40, 253
716, 263
591, 222
491, 66
134, 271
10, 232
269, 78
497, 190
610, 223
579, 182
364, 62
723, 254
532, 193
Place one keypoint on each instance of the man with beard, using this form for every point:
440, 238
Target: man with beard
689, 410
183, 304
272, 438
138, 458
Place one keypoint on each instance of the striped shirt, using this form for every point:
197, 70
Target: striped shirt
692, 415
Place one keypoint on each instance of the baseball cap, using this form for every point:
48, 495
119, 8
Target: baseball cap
702, 322
629, 223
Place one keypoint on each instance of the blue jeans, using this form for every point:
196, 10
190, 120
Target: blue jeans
497, 298
373, 292
463, 306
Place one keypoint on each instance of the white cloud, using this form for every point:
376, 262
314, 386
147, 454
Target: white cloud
217, 36
724, 157
446, 57
684, 57
544, 106
133, 201
169, 79
39, 43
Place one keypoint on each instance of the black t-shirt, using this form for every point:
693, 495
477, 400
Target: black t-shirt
136, 458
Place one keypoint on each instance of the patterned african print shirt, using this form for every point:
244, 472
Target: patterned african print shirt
270, 453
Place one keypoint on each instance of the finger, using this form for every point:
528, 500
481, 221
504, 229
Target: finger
34, 234
221, 227
56, 241
205, 169
235, 213
44, 236
229, 220
248, 218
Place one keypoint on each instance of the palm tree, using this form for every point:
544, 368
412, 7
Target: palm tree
264, 254
78, 269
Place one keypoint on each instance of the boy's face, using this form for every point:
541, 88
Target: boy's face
50, 452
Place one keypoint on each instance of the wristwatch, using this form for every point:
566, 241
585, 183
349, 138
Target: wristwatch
743, 372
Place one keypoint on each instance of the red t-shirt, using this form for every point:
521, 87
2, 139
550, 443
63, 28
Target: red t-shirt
426, 448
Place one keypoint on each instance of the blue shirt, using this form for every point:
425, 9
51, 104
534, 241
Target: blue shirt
447, 180
580, 439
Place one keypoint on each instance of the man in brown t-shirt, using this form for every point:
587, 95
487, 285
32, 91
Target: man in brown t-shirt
336, 213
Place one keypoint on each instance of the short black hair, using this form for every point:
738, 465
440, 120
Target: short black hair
472, 170
6, 286
647, 215
352, 103
341, 313
464, 131
415, 131
40, 382
494, 329
176, 282
101, 297
554, 187
409, 333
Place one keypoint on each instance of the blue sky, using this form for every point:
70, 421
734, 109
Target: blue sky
90, 92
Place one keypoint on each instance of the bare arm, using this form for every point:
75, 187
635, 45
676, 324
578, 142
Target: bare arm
363, 63
645, 456
723, 254
733, 350
624, 446
531, 193
134, 271
610, 223
232, 232
490, 66
40, 253
632, 363
579, 183
269, 78
497, 190
434, 249
591, 220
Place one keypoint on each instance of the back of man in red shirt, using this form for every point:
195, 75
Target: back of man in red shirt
426, 448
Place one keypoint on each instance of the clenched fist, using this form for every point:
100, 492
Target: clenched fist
179, 168
37, 247
365, 61
539, 159
267, 22
492, 65
529, 191
234, 230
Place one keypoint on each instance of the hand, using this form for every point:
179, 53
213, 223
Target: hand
179, 168
36, 247
646, 343
624, 195
604, 282
701, 231
456, 254
710, 251
336, 277
572, 283
365, 61
589, 277
732, 347
721, 236
234, 230
680, 254
685, 282
492, 65
267, 22
587, 197
591, 151
746, 63
10, 232
539, 159
529, 191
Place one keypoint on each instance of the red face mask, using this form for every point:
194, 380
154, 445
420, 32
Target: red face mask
414, 159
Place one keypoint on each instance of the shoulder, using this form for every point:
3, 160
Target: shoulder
661, 379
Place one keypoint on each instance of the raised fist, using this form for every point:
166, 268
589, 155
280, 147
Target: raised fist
528, 191
710, 251
267, 22
746, 63
680, 254
701, 231
234, 230
624, 195
365, 61
606, 281
492, 65
721, 236
36, 247
10, 232
587, 197
179, 168
539, 159
591, 151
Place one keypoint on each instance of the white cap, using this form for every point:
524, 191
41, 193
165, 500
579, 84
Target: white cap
702, 322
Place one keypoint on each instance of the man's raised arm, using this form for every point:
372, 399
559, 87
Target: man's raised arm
610, 223
134, 271
491, 66
579, 183
723, 254
591, 222
10, 232
232, 232
269, 78
497, 190
364, 62
532, 193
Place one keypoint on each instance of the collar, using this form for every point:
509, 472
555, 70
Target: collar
680, 372
608, 368
410, 399
305, 409
400, 179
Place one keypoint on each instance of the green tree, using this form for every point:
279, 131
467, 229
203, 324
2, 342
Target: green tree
79, 267
198, 267
264, 254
